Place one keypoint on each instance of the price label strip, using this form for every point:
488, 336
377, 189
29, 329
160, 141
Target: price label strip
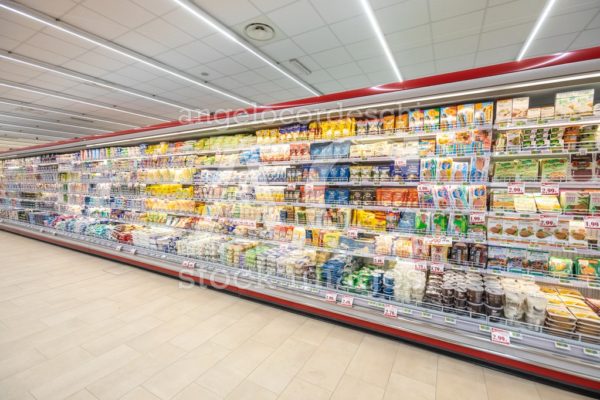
500, 336
331, 297
390, 311
347, 301
548, 220
379, 260
516, 188
549, 189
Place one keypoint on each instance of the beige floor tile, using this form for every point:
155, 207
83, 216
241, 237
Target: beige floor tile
403, 387
373, 360
279, 329
129, 331
458, 385
220, 380
455, 365
248, 390
351, 388
140, 393
502, 386
247, 357
202, 332
313, 331
242, 330
81, 395
162, 333
302, 390
551, 393
196, 392
279, 368
416, 363
19, 362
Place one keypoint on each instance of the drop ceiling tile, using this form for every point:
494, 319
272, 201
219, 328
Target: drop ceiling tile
199, 69
226, 82
353, 30
246, 91
564, 7
595, 22
12, 30
456, 47
285, 83
227, 66
157, 7
188, 23
141, 44
53, 82
229, 12
270, 5
372, 64
321, 76
58, 46
249, 78
84, 68
7, 43
382, 77
365, 49
200, 52
10, 69
587, 38
249, 61
94, 23
512, 13
165, 33
441, 9
55, 8
265, 87
332, 57
24, 22
223, 44
355, 82
139, 73
409, 38
120, 79
125, 13
377, 4
264, 98
317, 40
457, 27
95, 57
345, 70
40, 54
337, 10
549, 45
176, 59
418, 70
307, 61
497, 55
505, 37
402, 16
457, 63
414, 56
566, 23
296, 18
282, 50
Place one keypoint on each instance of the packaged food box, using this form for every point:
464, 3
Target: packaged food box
536, 260
504, 110
573, 201
497, 257
579, 102
460, 171
402, 121
441, 196
416, 119
431, 118
526, 230
547, 112
446, 143
428, 169
495, 228
594, 201
577, 234
534, 113
388, 123
426, 147
588, 268
527, 169
520, 106
465, 114
478, 197
562, 267
547, 203
582, 167
525, 203
510, 226
505, 170
479, 169
502, 201
448, 117
554, 169
459, 197
484, 112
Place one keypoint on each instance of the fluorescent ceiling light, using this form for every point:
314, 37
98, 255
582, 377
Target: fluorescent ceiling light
50, 93
2, 123
377, 29
17, 135
57, 111
83, 35
536, 28
200, 14
49, 122
99, 82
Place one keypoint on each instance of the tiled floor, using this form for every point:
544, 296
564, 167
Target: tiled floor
74, 326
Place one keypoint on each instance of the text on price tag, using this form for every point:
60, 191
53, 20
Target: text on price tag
437, 268
291, 186
309, 187
352, 233
424, 188
390, 311
421, 266
331, 297
549, 220
500, 336
379, 260
477, 218
592, 222
550, 188
516, 188
347, 301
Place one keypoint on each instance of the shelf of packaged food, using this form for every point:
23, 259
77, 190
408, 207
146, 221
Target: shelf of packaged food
561, 215
565, 184
551, 123
542, 153
425, 323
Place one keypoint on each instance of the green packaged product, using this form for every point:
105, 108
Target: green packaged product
459, 224
527, 169
588, 268
554, 169
504, 170
440, 223
560, 266
422, 221
573, 201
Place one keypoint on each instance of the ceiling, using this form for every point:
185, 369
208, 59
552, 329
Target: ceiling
98, 89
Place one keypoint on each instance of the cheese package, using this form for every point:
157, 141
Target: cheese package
415, 119
448, 117
504, 110
505, 170
484, 112
554, 169
465, 114
431, 118
534, 113
520, 106
527, 169
547, 203
524, 203
502, 201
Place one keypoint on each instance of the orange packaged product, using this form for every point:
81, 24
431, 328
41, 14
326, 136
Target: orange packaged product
385, 197
388, 124
402, 121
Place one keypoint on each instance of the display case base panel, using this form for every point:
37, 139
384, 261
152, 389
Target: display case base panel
412, 324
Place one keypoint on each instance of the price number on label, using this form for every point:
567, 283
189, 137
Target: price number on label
352, 233
437, 268
477, 218
390, 311
550, 189
500, 336
592, 222
516, 188
424, 188
421, 266
548, 220
379, 260
347, 301
331, 297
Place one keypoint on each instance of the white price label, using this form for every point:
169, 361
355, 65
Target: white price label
484, 328
352, 233
562, 346
119, 248
425, 314
291, 186
406, 311
399, 163
390, 311
592, 222
437, 268
477, 218
550, 188
424, 188
591, 352
132, 251
441, 241
347, 301
500, 336
184, 264
516, 188
548, 220
379, 260
583, 151
515, 335
421, 266
309, 187
450, 320
331, 297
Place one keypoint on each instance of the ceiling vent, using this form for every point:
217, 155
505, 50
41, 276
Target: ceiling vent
259, 31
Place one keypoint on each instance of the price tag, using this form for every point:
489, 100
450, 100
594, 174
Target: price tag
191, 265
119, 248
515, 335
550, 188
562, 346
184, 264
390, 311
450, 320
425, 314
592, 223
309, 187
442, 241
424, 188
548, 220
406, 311
477, 218
484, 328
347, 301
133, 251
352, 233
516, 188
437, 268
291, 186
583, 151
421, 266
594, 285
500, 336
331, 297
591, 352
379, 260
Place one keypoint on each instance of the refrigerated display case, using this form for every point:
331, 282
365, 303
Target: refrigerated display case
463, 216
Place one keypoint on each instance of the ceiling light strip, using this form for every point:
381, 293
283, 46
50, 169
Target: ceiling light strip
3, 123
9, 115
57, 111
16, 135
45, 92
222, 29
86, 78
81, 34
536, 28
377, 29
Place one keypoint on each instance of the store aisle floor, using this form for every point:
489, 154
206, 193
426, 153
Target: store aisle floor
73, 326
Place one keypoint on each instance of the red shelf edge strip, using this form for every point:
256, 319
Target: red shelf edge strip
536, 370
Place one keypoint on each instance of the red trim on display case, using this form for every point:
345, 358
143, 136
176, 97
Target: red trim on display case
495, 359
451, 77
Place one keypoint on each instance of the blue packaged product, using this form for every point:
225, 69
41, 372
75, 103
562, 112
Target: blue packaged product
342, 196
330, 196
343, 173
341, 150
407, 221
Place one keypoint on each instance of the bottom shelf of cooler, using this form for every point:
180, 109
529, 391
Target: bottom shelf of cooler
569, 361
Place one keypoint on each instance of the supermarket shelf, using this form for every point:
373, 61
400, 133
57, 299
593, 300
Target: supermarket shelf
567, 361
548, 124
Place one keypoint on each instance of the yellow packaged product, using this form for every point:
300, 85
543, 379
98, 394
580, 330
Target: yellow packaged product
331, 239
388, 123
